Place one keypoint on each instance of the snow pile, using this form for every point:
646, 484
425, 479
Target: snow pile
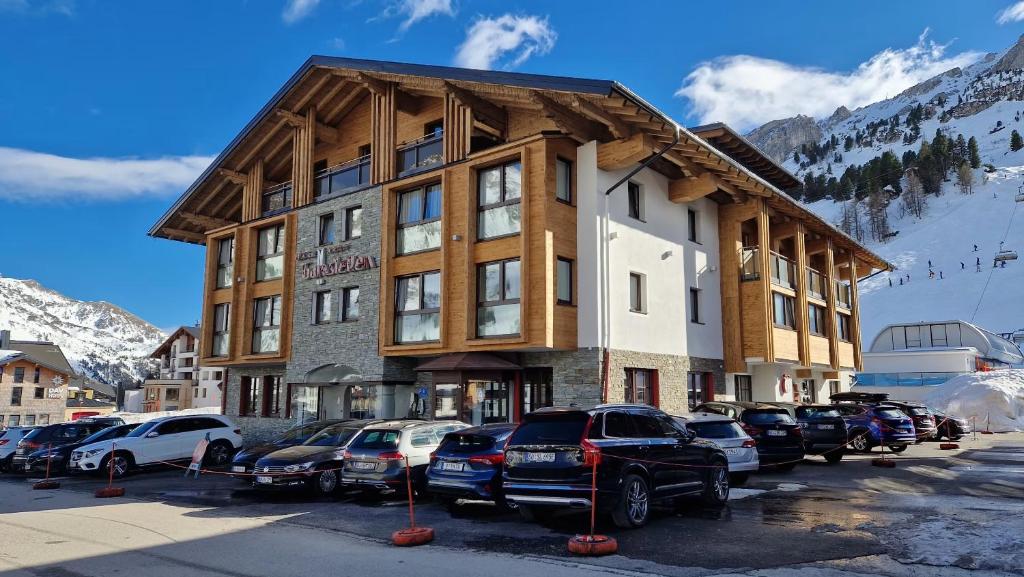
130, 418
995, 399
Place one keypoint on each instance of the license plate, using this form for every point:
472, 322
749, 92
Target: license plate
539, 457
827, 427
264, 480
774, 433
364, 466
732, 451
452, 466
237, 469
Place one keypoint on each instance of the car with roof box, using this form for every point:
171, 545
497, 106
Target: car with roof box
376, 459
730, 436
468, 465
779, 438
871, 422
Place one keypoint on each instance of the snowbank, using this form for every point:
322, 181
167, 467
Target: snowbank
995, 399
143, 417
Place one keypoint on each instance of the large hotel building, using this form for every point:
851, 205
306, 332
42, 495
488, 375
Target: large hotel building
395, 240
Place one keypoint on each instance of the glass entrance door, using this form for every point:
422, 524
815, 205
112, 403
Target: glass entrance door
486, 402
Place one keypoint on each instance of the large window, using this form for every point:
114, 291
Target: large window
270, 253
744, 388
640, 387
563, 279
225, 262
419, 219
15, 396
782, 310
221, 329
695, 314
635, 194
321, 307
350, 303
418, 308
19, 374
816, 320
325, 232
808, 392
497, 310
538, 391
251, 396
353, 222
266, 326
563, 180
277, 198
499, 190
637, 298
843, 327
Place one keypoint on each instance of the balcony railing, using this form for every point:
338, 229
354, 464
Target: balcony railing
277, 198
420, 154
342, 177
843, 295
783, 270
750, 263
815, 284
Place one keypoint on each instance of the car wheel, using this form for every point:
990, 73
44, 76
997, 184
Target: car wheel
122, 465
634, 504
716, 485
898, 448
217, 454
535, 514
326, 482
834, 457
738, 479
860, 442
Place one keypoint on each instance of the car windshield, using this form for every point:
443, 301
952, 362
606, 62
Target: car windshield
889, 413
101, 435
142, 429
768, 417
816, 412
717, 430
331, 437
551, 430
376, 440
300, 434
459, 443
35, 433
918, 411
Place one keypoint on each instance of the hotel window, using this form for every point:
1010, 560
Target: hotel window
271, 395
843, 327
419, 219
270, 253
325, 234
321, 307
225, 262
692, 233
637, 298
816, 320
39, 392
744, 388
266, 329
350, 303
563, 280
250, 399
635, 195
14, 421
497, 312
640, 387
695, 389
171, 394
782, 311
418, 308
15, 396
35, 375
833, 387
353, 222
808, 392
695, 306
563, 180
19, 374
499, 190
221, 329
44, 419
277, 198
537, 391
30, 420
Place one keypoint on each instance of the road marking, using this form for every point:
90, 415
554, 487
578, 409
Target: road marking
988, 469
995, 456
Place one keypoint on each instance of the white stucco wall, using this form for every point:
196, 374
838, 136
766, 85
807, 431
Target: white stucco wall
658, 248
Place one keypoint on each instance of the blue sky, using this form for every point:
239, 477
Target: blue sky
109, 109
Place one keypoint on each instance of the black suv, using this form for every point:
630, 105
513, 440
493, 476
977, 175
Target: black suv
641, 456
58, 435
780, 441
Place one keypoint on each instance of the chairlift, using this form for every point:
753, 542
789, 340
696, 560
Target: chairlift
1020, 193
1006, 255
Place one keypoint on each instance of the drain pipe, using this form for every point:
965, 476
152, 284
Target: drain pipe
605, 260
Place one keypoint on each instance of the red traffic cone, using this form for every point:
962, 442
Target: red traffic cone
47, 483
413, 535
592, 545
110, 490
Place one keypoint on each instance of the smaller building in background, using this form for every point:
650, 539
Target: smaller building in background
907, 360
34, 377
89, 398
181, 382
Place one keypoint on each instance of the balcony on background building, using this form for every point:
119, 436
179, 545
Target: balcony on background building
341, 178
420, 154
815, 284
783, 270
750, 263
276, 198
842, 295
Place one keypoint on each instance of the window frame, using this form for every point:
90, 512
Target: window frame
629, 391
568, 164
503, 301
419, 311
695, 306
39, 393
693, 226
843, 327
322, 306
503, 193
817, 320
329, 238
19, 374
748, 387
346, 297
226, 332
229, 266
349, 219
637, 188
279, 242
559, 260
16, 396
788, 312
399, 225
258, 329
641, 293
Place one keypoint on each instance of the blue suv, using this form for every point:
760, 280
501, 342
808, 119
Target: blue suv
873, 423
467, 465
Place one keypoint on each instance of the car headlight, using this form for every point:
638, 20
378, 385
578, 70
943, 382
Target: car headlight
93, 452
299, 467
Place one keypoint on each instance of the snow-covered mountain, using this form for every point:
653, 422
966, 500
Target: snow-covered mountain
100, 340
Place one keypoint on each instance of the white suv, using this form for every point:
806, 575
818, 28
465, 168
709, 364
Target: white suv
9, 444
161, 440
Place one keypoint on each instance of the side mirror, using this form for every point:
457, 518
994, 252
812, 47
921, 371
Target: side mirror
152, 435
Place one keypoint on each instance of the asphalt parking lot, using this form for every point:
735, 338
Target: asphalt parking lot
952, 509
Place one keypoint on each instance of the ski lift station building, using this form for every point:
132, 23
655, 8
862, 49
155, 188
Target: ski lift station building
907, 360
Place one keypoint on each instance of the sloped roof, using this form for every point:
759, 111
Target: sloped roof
194, 331
74, 403
732, 143
44, 353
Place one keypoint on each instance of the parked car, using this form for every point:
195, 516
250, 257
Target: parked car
467, 465
780, 441
725, 432
314, 465
245, 459
375, 460
924, 420
949, 426
9, 444
55, 436
871, 423
161, 440
824, 431
60, 456
641, 456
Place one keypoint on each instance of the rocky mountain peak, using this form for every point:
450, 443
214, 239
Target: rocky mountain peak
780, 137
1013, 59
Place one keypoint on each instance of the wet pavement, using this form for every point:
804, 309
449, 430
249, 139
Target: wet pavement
935, 508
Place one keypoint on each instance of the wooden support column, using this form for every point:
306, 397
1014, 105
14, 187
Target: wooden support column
303, 144
802, 312
855, 314
252, 192
764, 242
829, 270
458, 129
382, 149
730, 242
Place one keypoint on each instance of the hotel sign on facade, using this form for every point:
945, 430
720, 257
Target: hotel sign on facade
330, 262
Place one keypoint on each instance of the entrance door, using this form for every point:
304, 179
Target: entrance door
487, 402
446, 401
808, 392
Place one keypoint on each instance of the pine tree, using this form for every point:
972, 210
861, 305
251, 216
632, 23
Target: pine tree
972, 152
878, 216
1016, 142
796, 157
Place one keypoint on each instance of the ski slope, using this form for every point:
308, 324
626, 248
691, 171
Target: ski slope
951, 225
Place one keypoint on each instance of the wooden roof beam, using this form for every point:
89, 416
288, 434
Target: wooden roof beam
232, 175
323, 132
344, 105
569, 121
624, 153
618, 128
310, 93
260, 144
210, 222
483, 110
185, 234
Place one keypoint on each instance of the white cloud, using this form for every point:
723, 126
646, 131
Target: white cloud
512, 38
1012, 13
39, 7
295, 10
412, 11
746, 91
29, 175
